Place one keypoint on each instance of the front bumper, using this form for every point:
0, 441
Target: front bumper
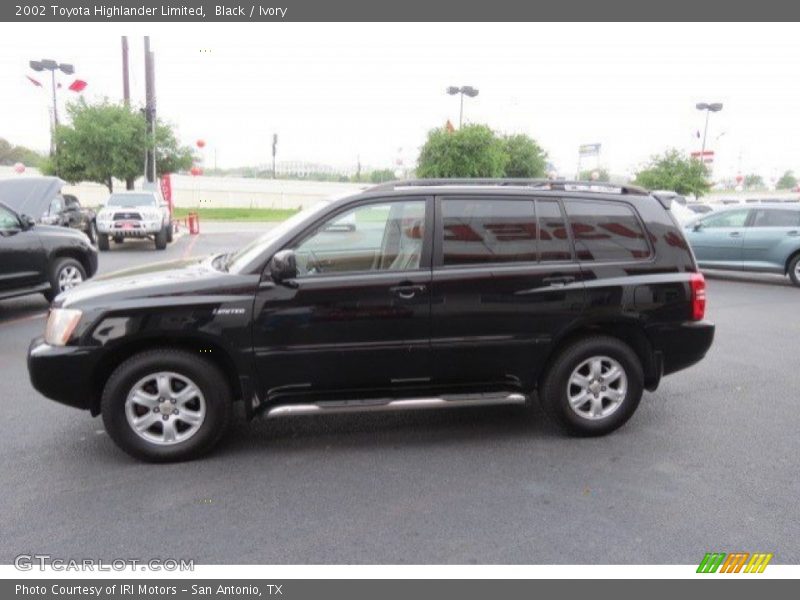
129, 229
64, 374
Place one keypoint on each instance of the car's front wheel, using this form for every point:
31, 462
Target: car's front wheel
166, 405
594, 386
161, 239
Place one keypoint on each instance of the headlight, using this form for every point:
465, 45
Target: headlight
60, 325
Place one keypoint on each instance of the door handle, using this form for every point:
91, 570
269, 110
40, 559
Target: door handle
793, 233
407, 291
559, 281
735, 234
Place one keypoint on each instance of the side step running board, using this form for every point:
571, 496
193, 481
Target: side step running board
389, 404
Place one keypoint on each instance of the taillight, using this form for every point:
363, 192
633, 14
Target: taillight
698, 285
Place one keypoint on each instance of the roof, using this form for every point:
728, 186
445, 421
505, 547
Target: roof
510, 183
29, 195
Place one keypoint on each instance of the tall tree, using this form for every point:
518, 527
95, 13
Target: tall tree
525, 157
472, 151
107, 141
753, 181
674, 171
787, 181
11, 154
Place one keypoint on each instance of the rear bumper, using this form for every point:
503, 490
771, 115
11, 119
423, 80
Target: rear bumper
63, 373
682, 345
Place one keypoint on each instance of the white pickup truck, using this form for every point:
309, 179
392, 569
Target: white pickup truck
134, 214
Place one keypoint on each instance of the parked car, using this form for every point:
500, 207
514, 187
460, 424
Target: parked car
41, 199
134, 214
699, 208
764, 238
448, 293
41, 258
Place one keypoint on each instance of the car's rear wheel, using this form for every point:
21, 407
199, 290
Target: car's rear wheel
794, 270
65, 273
166, 405
102, 241
594, 386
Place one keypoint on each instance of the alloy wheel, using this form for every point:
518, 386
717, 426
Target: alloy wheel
597, 387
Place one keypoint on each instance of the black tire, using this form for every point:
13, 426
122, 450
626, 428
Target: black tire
794, 276
206, 376
554, 390
102, 241
56, 269
161, 239
169, 232
91, 233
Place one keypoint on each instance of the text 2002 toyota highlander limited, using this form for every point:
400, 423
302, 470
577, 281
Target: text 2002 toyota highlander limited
414, 294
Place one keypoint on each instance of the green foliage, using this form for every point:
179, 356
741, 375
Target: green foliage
381, 175
674, 171
106, 140
602, 172
753, 181
472, 151
10, 155
787, 181
525, 157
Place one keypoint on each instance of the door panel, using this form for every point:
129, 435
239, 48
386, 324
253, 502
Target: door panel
357, 318
719, 240
22, 258
772, 236
495, 308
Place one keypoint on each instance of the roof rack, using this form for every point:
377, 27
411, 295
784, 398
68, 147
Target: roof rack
539, 184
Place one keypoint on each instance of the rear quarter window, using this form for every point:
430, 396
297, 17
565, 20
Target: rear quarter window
606, 231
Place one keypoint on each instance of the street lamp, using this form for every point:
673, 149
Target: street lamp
709, 108
47, 64
463, 90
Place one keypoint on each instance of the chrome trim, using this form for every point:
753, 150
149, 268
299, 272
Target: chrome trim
387, 405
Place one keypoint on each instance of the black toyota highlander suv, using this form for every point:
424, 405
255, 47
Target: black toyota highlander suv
411, 295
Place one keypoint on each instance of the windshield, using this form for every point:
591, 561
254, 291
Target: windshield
131, 200
242, 257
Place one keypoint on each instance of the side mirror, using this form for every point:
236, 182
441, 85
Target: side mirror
26, 222
697, 226
283, 268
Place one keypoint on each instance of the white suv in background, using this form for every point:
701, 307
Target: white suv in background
134, 214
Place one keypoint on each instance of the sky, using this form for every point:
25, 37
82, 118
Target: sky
337, 93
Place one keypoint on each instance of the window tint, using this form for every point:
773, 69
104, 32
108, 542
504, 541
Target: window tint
776, 217
606, 231
8, 220
730, 218
386, 236
553, 236
488, 230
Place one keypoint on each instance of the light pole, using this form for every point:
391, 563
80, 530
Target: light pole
47, 64
464, 89
709, 107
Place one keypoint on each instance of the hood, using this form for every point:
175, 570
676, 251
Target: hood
30, 195
166, 279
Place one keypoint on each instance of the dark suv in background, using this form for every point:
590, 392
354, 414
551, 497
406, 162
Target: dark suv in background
418, 294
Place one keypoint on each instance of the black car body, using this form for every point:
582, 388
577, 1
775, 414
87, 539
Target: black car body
41, 258
41, 199
477, 292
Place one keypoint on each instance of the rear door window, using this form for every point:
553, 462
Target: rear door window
606, 231
776, 217
553, 240
478, 231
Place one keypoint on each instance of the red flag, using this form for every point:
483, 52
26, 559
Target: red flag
35, 82
78, 85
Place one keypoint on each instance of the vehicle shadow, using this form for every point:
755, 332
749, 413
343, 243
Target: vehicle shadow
742, 277
387, 430
16, 309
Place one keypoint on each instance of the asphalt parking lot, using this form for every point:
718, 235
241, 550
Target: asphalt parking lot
708, 463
